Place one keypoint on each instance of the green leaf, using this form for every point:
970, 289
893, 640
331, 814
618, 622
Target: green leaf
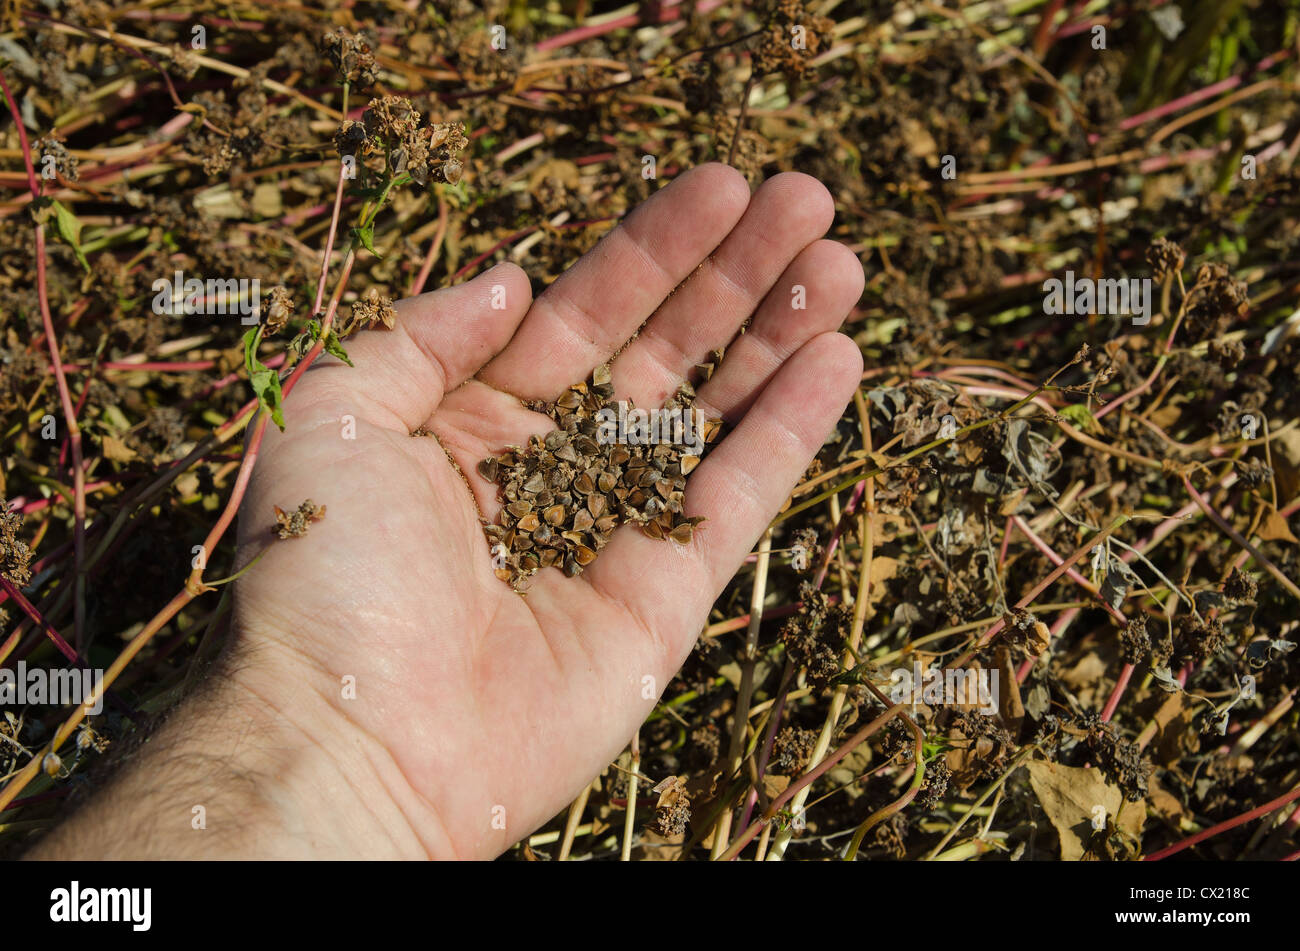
1081, 417
265, 381
70, 231
334, 346
366, 235
854, 675
333, 343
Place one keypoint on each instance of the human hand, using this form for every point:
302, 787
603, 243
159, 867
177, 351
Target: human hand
472, 703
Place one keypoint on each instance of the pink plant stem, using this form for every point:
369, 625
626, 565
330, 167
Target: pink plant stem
329, 241
1207, 92
195, 583
1045, 33
519, 146
667, 13
65, 396
163, 367
808, 778
1236, 536
1242, 819
417, 285
1073, 575
970, 370
840, 526
1006, 541
29, 609
295, 218
504, 242
1112, 702
742, 621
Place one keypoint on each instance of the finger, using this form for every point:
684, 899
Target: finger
832, 277
787, 214
440, 340
593, 308
827, 280
738, 488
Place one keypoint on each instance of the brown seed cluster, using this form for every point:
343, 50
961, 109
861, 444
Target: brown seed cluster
391, 126
295, 524
52, 152
1165, 258
565, 493
279, 309
815, 637
778, 51
371, 309
673, 813
15, 556
351, 56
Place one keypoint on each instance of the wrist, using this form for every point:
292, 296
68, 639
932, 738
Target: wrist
331, 791
259, 764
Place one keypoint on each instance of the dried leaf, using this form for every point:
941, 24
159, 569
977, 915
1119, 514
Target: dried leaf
1071, 796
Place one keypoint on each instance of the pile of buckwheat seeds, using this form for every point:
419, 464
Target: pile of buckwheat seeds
565, 493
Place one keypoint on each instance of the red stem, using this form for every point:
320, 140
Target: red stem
1242, 819
29, 609
65, 397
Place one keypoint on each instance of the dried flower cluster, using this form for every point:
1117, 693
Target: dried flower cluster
294, 524
793, 37
565, 493
278, 309
673, 811
372, 308
1166, 258
50, 152
814, 637
804, 549
351, 57
1215, 302
15, 557
391, 126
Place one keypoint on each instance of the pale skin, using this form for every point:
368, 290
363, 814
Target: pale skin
385, 695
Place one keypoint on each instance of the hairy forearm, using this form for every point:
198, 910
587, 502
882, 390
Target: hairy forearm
253, 766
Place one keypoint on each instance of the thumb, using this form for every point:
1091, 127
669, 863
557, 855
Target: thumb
440, 339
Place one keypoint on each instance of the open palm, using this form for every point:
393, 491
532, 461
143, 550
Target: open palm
469, 702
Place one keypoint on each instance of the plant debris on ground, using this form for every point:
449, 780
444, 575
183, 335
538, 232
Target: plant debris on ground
1092, 507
